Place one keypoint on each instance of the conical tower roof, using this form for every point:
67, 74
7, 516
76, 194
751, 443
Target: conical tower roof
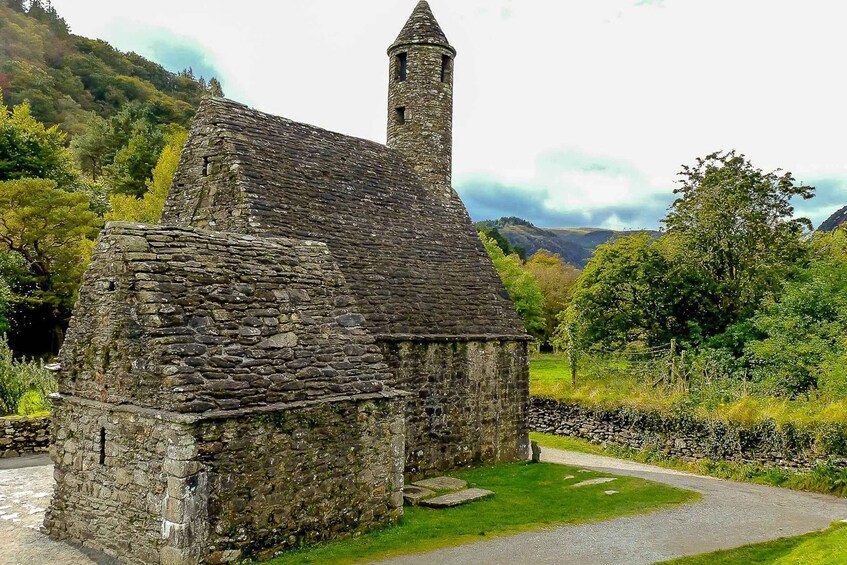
422, 29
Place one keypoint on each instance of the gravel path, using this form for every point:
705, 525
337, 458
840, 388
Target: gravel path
730, 514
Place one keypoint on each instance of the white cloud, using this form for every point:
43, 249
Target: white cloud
655, 84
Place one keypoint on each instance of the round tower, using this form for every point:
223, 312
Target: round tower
420, 99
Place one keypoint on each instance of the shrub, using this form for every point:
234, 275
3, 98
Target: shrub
24, 385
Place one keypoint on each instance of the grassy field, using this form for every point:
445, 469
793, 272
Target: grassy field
817, 548
527, 497
612, 383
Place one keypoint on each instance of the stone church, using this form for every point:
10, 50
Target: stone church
314, 321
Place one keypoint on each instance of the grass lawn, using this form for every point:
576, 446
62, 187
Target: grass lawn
826, 479
526, 497
818, 548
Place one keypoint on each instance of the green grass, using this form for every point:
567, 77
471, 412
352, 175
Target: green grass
611, 383
818, 548
527, 497
827, 479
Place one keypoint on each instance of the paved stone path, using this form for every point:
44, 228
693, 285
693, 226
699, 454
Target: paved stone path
730, 514
26, 485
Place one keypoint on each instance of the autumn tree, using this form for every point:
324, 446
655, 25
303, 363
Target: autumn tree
148, 208
555, 278
522, 287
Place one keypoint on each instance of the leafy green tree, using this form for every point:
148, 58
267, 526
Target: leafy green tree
148, 209
522, 287
30, 150
52, 231
215, 88
735, 224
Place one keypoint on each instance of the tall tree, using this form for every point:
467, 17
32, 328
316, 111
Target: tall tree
556, 279
52, 231
735, 223
30, 150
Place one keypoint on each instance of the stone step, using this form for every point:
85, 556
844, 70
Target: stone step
597, 481
457, 498
441, 483
413, 494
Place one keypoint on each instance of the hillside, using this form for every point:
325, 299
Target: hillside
574, 245
834, 221
69, 79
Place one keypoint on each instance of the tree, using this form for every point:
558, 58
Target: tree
29, 150
92, 149
215, 88
522, 287
735, 224
148, 209
52, 231
555, 278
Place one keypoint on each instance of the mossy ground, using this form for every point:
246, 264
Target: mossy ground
527, 496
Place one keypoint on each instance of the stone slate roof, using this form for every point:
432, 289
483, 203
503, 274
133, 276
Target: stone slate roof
412, 258
422, 28
191, 321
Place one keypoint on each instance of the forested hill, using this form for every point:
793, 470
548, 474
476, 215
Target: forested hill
68, 79
574, 245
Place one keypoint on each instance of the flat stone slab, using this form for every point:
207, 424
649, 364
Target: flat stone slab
457, 498
598, 481
413, 495
441, 483
610, 492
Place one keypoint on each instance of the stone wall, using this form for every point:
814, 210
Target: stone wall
467, 401
23, 436
156, 487
682, 436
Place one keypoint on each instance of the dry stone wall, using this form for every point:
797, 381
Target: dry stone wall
467, 400
683, 436
23, 436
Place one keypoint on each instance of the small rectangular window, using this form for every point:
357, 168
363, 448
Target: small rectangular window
102, 446
205, 166
401, 67
401, 115
445, 67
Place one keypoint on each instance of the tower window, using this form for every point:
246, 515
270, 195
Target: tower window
401, 115
401, 67
205, 166
445, 67
102, 446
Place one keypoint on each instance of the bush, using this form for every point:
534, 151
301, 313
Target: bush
24, 385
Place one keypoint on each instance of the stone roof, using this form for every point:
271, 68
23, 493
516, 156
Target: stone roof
411, 257
422, 29
191, 321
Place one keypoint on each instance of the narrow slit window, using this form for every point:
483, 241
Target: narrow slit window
401, 67
445, 67
401, 115
205, 166
102, 446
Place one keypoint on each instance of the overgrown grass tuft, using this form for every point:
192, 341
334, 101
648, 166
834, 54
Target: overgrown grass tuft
527, 496
615, 382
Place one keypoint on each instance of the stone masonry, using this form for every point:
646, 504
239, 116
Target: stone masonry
22, 436
315, 317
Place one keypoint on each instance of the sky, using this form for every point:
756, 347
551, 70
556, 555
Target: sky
568, 113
